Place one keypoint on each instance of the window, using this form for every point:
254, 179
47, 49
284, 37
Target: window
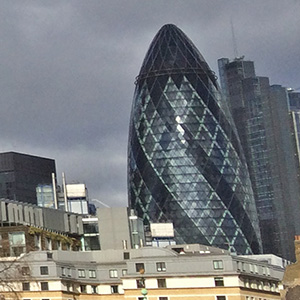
161, 267
94, 289
140, 267
218, 264
124, 272
49, 255
256, 269
163, 298
26, 286
92, 273
25, 271
81, 273
44, 286
69, 272
114, 289
17, 243
161, 283
221, 298
219, 281
63, 271
140, 283
44, 270
83, 288
126, 255
113, 273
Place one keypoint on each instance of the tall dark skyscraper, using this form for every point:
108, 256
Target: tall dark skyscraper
21, 173
185, 161
261, 115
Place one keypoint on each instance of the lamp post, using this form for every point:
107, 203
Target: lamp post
144, 292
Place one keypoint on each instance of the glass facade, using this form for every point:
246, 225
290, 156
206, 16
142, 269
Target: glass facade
185, 163
260, 112
20, 174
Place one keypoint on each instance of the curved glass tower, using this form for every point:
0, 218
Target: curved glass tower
185, 163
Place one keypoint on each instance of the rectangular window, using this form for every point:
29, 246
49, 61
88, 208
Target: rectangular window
83, 288
163, 298
140, 267
94, 289
81, 273
25, 286
126, 255
114, 289
25, 271
124, 272
219, 281
218, 264
113, 273
44, 286
221, 298
49, 255
69, 272
92, 273
140, 283
161, 267
44, 270
161, 283
63, 271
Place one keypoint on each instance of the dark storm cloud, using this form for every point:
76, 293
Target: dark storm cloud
68, 67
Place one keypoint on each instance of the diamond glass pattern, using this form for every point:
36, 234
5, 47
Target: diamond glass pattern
185, 163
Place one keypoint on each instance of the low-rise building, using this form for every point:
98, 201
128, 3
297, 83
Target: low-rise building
172, 273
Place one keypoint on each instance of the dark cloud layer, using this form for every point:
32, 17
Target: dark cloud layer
67, 71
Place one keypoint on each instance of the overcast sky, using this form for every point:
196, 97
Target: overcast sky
67, 71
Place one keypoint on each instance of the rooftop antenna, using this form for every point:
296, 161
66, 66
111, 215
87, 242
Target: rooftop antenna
235, 49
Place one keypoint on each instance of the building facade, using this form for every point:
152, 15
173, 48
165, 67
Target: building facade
262, 118
20, 174
185, 162
202, 272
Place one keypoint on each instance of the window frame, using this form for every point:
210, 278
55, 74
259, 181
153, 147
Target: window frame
219, 281
92, 273
113, 273
114, 289
161, 283
44, 270
26, 286
139, 267
44, 286
218, 264
81, 273
161, 266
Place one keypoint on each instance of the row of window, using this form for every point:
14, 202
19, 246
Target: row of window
161, 266
167, 298
83, 288
241, 266
161, 282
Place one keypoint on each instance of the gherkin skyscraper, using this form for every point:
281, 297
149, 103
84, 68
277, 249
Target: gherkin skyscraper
185, 163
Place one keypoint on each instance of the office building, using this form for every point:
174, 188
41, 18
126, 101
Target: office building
262, 118
185, 162
20, 174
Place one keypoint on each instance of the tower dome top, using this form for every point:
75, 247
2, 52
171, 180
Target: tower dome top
172, 51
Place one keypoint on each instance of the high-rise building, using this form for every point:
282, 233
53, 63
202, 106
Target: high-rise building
261, 115
20, 174
185, 161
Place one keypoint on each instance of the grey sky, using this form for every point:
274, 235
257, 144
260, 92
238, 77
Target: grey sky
67, 71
